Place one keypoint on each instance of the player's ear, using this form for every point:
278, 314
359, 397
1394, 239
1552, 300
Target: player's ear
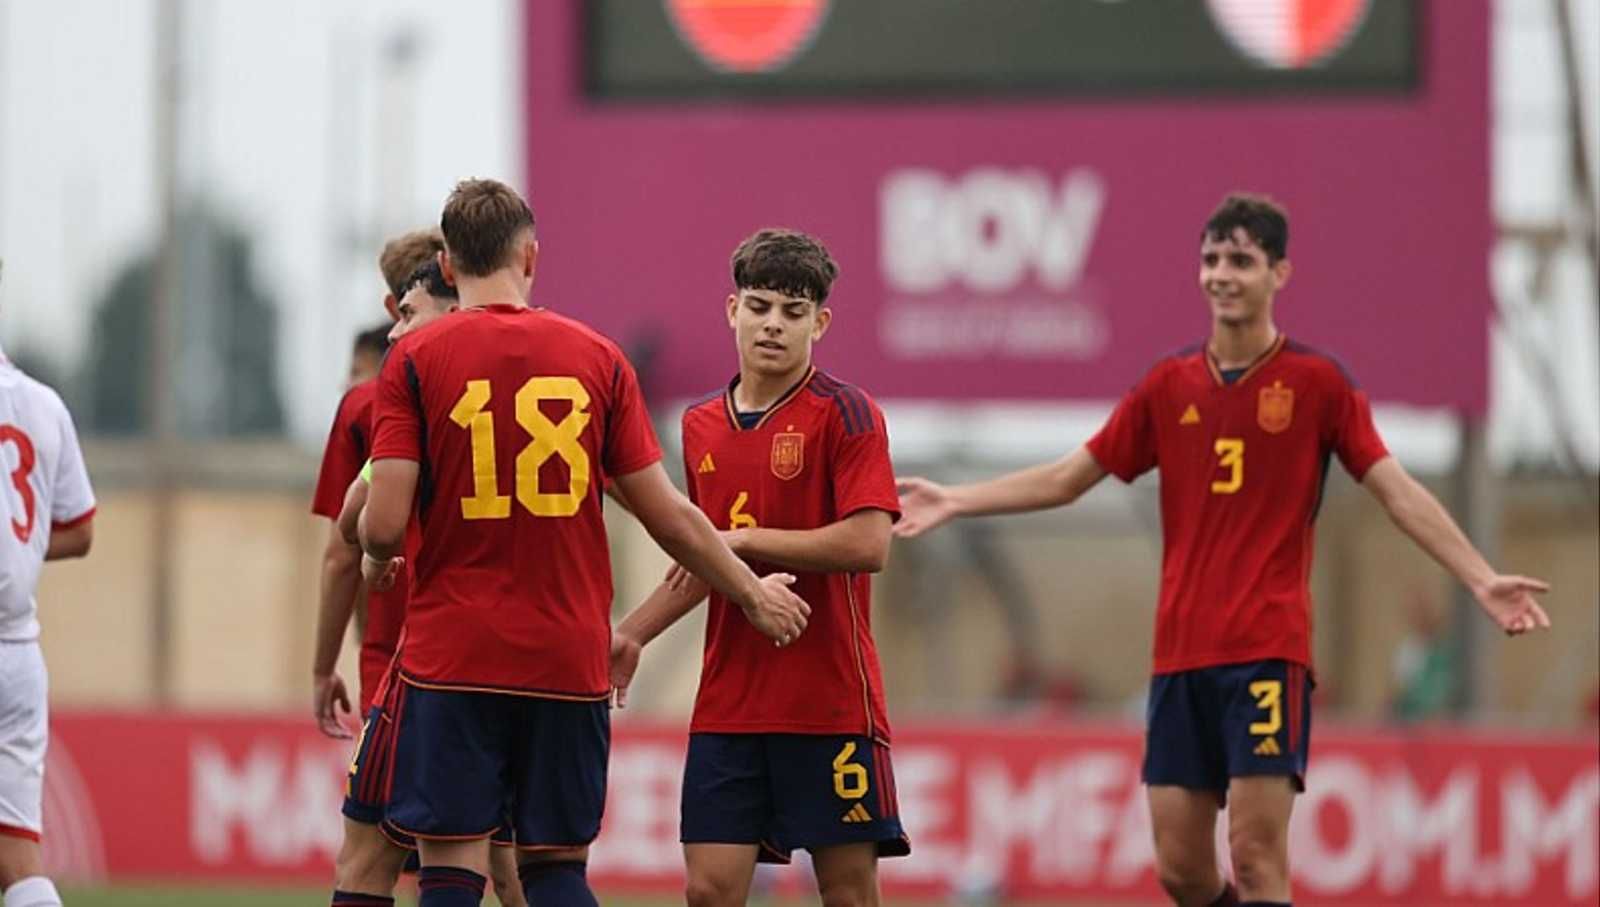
733, 308
820, 325
530, 257
392, 306
1281, 272
445, 267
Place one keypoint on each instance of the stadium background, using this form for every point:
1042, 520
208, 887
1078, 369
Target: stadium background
193, 199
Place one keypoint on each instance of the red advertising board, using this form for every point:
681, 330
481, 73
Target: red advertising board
1028, 810
1037, 245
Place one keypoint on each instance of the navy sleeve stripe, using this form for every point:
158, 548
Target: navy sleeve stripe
359, 438
852, 403
1294, 346
858, 402
424, 470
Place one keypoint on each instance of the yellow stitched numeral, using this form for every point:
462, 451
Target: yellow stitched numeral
1269, 696
849, 778
737, 518
548, 439
1230, 456
552, 439
486, 503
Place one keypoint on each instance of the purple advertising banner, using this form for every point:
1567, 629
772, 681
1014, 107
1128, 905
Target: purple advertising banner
1023, 247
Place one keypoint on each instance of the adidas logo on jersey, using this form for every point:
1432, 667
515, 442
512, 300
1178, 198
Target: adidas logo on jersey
1268, 747
857, 813
706, 465
1191, 416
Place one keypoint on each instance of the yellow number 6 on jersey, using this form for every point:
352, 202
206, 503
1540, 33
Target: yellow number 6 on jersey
849, 778
737, 518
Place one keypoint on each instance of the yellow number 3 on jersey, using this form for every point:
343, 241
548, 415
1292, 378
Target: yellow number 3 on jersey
1230, 456
548, 439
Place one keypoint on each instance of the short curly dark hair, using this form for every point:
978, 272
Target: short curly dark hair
1261, 218
787, 261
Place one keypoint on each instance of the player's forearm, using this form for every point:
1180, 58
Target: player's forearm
692, 541
389, 496
1420, 515
340, 582
71, 542
355, 498
1034, 488
663, 608
683, 532
845, 546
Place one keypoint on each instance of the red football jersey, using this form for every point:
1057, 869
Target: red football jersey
517, 417
349, 444
1242, 471
819, 454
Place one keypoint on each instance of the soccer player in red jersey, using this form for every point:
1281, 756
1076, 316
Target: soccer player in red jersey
371, 856
499, 426
340, 588
1242, 428
786, 749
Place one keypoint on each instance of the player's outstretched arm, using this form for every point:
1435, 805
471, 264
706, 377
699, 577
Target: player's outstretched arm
859, 543
73, 541
1508, 600
928, 505
666, 606
684, 533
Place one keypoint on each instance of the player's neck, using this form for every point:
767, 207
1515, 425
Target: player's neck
1240, 345
500, 288
757, 391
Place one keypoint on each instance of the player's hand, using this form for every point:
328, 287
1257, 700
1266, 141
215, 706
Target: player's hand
328, 698
776, 612
1510, 602
625, 651
924, 505
380, 575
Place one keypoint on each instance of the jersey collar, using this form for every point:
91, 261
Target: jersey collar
1256, 366
733, 413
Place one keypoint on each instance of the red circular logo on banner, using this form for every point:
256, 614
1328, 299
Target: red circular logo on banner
1289, 34
747, 35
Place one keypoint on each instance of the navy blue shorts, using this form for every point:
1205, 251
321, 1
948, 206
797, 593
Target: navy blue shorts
366, 793
467, 764
1209, 725
783, 791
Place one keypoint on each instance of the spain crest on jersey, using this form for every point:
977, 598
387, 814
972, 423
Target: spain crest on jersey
788, 454
1276, 409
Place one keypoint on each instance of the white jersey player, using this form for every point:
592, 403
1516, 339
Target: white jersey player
46, 508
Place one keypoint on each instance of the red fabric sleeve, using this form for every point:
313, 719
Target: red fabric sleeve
630, 438
397, 412
863, 476
1126, 445
342, 459
1355, 437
